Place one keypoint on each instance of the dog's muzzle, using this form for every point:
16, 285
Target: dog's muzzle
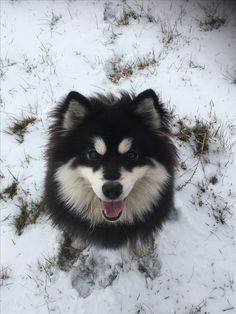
112, 190
113, 206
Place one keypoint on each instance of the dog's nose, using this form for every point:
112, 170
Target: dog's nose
112, 190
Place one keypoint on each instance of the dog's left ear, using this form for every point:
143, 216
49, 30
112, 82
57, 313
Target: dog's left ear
146, 105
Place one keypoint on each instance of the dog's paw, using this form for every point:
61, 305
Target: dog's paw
83, 275
94, 271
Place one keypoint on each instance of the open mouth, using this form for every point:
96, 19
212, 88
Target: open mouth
112, 210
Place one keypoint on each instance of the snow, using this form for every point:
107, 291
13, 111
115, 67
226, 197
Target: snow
49, 48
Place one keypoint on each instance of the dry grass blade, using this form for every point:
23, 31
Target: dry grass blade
19, 127
212, 22
199, 135
120, 71
29, 213
4, 274
213, 18
10, 191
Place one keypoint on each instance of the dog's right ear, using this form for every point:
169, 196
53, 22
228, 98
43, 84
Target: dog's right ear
77, 107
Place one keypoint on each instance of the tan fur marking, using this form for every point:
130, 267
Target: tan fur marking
143, 247
124, 145
100, 145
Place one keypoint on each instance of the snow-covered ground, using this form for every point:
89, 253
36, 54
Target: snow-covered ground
185, 51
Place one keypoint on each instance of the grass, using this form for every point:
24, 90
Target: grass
204, 134
217, 205
139, 12
54, 20
19, 127
120, 71
170, 32
126, 15
231, 76
198, 309
213, 180
213, 19
28, 66
29, 213
48, 265
129, 14
5, 64
200, 133
145, 62
219, 208
4, 275
212, 22
10, 191
202, 137
194, 65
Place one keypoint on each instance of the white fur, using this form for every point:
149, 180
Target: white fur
81, 189
78, 244
95, 178
100, 145
146, 184
76, 191
125, 145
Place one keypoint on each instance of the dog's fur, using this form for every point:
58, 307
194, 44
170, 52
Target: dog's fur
107, 139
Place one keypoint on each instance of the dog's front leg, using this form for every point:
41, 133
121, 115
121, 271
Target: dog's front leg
142, 247
79, 244
147, 257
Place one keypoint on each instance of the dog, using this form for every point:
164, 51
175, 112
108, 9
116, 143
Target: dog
110, 169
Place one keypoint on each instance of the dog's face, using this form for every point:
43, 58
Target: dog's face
112, 157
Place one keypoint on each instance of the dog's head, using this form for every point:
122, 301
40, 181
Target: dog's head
113, 155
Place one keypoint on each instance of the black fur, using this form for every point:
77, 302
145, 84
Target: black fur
112, 118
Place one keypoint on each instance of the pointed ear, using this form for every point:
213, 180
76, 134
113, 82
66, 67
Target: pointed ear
146, 105
77, 107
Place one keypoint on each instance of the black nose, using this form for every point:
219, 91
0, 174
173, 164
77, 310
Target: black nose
112, 190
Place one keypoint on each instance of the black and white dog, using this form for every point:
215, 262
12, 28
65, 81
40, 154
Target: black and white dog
110, 170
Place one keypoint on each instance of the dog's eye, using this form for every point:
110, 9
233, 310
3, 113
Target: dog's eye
93, 155
132, 155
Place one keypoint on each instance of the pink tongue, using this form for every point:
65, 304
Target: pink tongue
112, 209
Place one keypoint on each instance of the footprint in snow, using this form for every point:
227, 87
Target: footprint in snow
94, 271
97, 269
